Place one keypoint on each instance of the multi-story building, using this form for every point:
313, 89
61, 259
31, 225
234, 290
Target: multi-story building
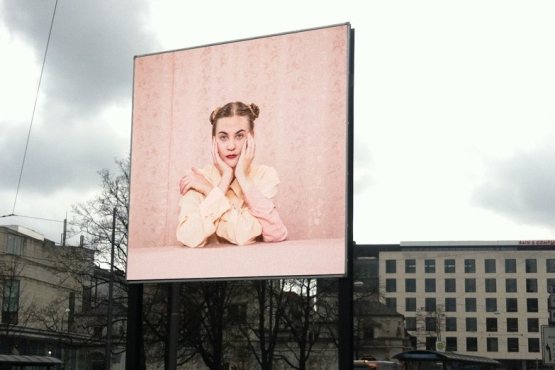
477, 297
50, 300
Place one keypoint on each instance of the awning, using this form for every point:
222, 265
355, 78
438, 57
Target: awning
29, 360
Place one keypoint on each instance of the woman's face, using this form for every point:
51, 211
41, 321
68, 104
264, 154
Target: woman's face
231, 133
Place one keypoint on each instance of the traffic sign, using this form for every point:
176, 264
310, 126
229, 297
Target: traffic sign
548, 345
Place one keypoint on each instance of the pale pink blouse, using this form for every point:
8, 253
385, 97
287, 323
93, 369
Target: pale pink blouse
235, 217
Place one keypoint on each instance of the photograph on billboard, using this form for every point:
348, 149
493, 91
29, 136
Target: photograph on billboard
239, 159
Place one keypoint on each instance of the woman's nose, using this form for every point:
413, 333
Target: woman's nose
231, 145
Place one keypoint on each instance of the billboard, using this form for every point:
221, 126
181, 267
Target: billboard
214, 197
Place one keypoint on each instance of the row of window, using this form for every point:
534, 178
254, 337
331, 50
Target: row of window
471, 324
470, 304
449, 266
492, 344
470, 286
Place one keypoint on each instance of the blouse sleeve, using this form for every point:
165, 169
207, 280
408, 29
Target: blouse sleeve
259, 202
199, 217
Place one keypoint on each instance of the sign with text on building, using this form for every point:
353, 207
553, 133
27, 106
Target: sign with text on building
548, 345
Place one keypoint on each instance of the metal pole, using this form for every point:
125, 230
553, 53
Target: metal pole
108, 355
173, 326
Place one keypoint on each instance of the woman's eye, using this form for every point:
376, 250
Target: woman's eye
240, 136
223, 137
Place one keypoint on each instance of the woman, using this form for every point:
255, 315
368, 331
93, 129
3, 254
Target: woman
231, 199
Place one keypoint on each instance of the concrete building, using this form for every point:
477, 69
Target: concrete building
49, 297
477, 297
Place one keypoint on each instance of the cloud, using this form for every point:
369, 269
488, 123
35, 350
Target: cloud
88, 71
522, 186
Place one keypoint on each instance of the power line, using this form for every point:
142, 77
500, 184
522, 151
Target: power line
34, 107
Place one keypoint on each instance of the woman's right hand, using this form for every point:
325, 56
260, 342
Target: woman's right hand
223, 167
195, 180
225, 170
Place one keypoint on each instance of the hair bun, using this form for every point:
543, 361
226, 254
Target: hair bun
254, 110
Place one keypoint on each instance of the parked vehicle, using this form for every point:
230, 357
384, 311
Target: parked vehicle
378, 365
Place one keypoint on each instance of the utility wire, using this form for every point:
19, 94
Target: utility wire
34, 107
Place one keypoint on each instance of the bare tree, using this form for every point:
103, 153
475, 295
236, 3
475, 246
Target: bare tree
17, 308
260, 326
429, 326
301, 321
205, 308
93, 219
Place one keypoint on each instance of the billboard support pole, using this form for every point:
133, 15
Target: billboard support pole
173, 326
345, 284
134, 354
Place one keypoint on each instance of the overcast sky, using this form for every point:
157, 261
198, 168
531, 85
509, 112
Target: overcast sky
454, 105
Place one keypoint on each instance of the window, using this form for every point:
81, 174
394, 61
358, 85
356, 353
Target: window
492, 345
10, 302
470, 266
450, 324
510, 265
431, 324
491, 324
490, 266
531, 285
410, 266
533, 325
471, 324
430, 304
510, 285
469, 285
491, 304
532, 305
472, 344
451, 344
533, 344
14, 245
531, 265
450, 304
390, 266
449, 266
390, 285
550, 265
512, 305
550, 283
512, 344
391, 303
431, 343
450, 286
410, 304
491, 285
410, 323
237, 313
430, 285
410, 285
430, 266
470, 304
512, 325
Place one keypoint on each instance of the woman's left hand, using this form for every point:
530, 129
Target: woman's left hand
246, 157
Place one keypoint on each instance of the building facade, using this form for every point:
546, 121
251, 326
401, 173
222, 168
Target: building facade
478, 298
48, 305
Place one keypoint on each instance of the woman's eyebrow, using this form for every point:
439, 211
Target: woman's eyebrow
224, 132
